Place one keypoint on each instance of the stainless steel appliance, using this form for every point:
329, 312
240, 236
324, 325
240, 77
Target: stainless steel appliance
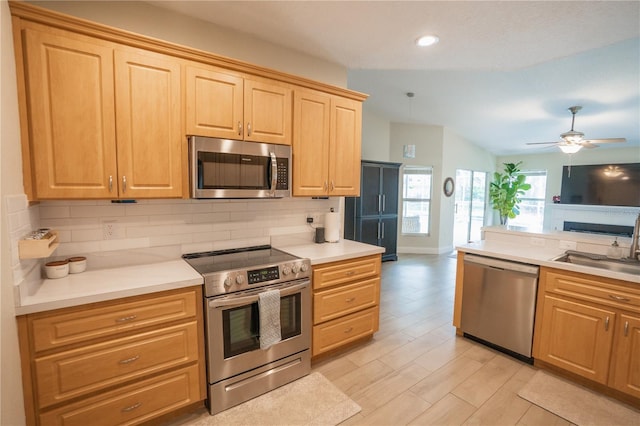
498, 303
237, 369
225, 168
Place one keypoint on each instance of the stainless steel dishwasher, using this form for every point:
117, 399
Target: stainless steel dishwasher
498, 303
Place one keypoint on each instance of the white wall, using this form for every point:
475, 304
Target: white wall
429, 152
11, 406
375, 136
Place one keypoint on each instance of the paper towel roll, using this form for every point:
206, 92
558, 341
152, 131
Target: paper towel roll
332, 227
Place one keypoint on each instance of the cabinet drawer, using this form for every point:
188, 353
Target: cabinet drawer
338, 332
72, 373
131, 404
331, 274
594, 289
343, 300
77, 325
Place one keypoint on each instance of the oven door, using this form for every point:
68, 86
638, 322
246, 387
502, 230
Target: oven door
233, 345
223, 168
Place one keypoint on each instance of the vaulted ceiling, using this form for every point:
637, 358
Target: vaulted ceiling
503, 74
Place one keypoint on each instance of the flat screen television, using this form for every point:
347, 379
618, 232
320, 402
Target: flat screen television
601, 185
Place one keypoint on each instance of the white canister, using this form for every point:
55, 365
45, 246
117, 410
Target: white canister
57, 269
77, 264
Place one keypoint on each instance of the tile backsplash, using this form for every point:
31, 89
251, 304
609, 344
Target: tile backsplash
177, 226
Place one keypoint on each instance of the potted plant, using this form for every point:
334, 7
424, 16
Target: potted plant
506, 189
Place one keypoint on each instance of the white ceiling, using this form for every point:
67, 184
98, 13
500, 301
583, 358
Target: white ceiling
503, 74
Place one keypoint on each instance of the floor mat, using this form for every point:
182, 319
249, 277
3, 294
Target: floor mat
575, 403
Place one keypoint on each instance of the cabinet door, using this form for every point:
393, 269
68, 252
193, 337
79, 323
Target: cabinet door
345, 147
71, 115
267, 112
625, 375
310, 144
214, 103
149, 126
369, 231
389, 237
576, 337
390, 178
371, 197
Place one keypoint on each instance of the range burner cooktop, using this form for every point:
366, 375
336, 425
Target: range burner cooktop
229, 271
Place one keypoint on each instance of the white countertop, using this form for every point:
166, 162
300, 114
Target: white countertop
108, 284
332, 252
538, 256
114, 283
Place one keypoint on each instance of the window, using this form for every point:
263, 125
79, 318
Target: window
532, 206
416, 199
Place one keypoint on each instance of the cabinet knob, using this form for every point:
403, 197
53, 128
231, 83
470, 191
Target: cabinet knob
619, 298
124, 184
110, 183
239, 128
248, 129
127, 318
606, 324
626, 328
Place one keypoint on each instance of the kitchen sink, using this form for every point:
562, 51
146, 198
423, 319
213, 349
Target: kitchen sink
627, 266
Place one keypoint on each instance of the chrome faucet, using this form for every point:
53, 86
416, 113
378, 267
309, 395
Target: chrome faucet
634, 251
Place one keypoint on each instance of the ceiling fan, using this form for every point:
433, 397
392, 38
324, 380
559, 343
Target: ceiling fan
572, 141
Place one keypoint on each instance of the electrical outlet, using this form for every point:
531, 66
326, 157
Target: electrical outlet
309, 219
110, 231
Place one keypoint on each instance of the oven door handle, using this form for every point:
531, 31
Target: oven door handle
243, 300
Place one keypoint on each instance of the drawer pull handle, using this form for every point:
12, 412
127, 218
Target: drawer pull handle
619, 298
131, 407
125, 319
349, 273
129, 360
351, 299
626, 328
348, 330
606, 324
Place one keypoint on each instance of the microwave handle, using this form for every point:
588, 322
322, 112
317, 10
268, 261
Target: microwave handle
274, 173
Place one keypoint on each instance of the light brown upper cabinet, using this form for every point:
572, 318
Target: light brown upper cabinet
225, 105
327, 139
82, 144
149, 131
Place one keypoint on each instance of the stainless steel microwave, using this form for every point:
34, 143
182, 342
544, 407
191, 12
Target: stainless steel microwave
225, 168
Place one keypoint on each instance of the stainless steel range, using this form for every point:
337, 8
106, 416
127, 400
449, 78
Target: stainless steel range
234, 283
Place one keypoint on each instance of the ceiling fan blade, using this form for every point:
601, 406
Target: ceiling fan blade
543, 143
608, 140
587, 144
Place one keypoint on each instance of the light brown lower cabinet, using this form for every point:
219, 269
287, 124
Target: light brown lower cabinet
590, 326
346, 302
124, 361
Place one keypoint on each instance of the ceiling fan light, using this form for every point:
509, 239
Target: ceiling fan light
569, 149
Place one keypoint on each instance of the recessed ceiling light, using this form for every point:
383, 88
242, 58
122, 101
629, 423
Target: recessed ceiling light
427, 40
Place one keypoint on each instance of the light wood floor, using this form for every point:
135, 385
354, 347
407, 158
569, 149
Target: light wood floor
416, 371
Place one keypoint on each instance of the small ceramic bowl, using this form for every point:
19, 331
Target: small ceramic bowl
57, 269
77, 264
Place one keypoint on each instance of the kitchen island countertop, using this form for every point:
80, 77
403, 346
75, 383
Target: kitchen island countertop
541, 256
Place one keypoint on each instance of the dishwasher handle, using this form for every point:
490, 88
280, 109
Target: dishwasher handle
506, 265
